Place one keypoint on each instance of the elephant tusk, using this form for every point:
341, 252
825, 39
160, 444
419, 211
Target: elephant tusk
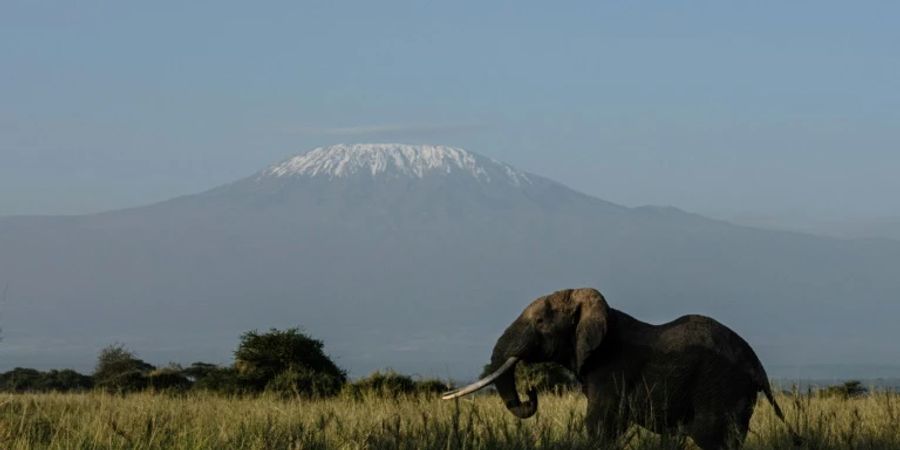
480, 384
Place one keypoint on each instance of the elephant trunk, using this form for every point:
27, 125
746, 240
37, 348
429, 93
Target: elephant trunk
510, 349
506, 387
515, 341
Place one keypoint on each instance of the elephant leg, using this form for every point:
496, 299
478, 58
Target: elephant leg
593, 418
709, 431
721, 430
741, 424
605, 423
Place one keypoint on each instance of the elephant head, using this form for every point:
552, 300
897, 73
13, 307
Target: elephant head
564, 327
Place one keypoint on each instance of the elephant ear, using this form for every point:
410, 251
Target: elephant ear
593, 317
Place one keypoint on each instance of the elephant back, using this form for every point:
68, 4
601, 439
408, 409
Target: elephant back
696, 332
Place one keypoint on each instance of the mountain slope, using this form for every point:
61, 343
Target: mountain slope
416, 257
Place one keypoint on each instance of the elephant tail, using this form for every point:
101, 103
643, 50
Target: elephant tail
767, 390
761, 379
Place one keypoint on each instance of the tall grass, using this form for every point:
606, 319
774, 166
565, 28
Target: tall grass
198, 421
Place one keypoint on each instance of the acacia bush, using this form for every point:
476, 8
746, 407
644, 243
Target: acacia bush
119, 370
304, 383
297, 360
221, 380
391, 384
169, 378
198, 370
849, 389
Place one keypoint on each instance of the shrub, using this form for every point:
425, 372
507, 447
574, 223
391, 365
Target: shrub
382, 384
431, 387
198, 370
66, 380
31, 380
20, 379
391, 384
261, 357
221, 380
168, 379
119, 370
302, 382
130, 381
851, 388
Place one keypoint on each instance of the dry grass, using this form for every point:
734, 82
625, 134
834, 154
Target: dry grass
155, 421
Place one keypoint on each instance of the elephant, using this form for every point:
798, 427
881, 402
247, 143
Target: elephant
692, 376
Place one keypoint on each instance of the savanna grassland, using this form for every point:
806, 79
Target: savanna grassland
146, 420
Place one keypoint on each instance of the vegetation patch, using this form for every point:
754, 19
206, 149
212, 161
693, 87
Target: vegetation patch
199, 421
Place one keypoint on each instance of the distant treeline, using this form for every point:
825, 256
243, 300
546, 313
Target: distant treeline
284, 362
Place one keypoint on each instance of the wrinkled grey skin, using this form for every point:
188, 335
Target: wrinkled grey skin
692, 375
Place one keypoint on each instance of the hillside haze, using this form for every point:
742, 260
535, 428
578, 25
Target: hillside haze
416, 258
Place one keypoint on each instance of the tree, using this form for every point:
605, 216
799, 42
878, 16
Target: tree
261, 357
118, 369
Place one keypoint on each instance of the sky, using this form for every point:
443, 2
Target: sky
752, 109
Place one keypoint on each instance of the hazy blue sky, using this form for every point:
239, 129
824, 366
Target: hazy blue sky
715, 107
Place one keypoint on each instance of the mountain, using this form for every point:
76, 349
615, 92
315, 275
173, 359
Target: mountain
847, 228
885, 227
416, 258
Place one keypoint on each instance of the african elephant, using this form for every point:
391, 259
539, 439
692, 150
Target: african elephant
692, 375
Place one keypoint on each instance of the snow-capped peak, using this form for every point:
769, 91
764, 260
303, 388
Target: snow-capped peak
344, 160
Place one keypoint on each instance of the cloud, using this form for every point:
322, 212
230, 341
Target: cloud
389, 129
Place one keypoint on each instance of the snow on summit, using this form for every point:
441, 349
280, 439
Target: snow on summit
418, 161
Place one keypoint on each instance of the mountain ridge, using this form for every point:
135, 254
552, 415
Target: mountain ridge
419, 273
343, 160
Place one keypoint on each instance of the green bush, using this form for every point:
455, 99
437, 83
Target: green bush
221, 380
305, 383
168, 379
431, 387
119, 370
66, 380
382, 384
198, 370
261, 357
31, 380
850, 389
20, 379
131, 381
392, 385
